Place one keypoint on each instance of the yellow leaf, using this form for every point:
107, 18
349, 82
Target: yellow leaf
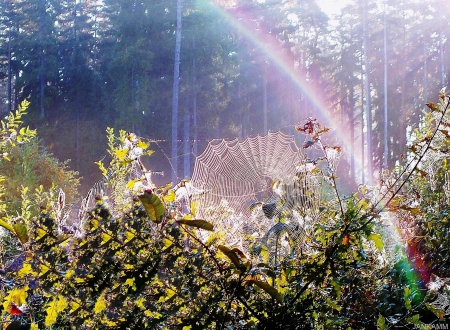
26, 270
130, 184
269, 289
74, 306
44, 270
69, 273
110, 323
140, 303
53, 309
16, 296
169, 295
153, 315
34, 326
197, 223
121, 154
143, 145
40, 233
194, 206
105, 238
170, 197
167, 243
129, 236
377, 239
101, 167
130, 283
100, 305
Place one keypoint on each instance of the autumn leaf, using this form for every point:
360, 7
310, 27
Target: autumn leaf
100, 304
53, 309
269, 289
376, 238
346, 239
16, 296
202, 224
231, 255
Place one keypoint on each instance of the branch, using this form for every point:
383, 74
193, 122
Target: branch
408, 176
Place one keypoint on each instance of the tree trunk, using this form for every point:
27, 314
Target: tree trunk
186, 141
265, 100
385, 124
441, 53
41, 59
367, 98
9, 72
176, 87
194, 99
425, 74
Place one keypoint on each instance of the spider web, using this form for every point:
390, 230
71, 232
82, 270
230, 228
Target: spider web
431, 163
245, 187
440, 286
104, 188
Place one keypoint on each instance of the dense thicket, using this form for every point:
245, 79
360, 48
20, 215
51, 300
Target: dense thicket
140, 257
246, 66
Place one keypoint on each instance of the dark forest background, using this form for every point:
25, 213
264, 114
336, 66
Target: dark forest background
244, 67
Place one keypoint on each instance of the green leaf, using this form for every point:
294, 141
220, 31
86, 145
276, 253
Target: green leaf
381, 323
269, 289
376, 238
153, 206
202, 224
415, 320
231, 255
21, 232
407, 296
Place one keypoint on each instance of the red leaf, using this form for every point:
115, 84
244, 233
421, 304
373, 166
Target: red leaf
14, 310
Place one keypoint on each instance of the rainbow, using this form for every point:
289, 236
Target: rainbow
274, 50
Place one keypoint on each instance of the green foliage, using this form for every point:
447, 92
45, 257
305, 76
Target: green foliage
30, 165
148, 267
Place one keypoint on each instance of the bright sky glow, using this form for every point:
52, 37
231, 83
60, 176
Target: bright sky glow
332, 7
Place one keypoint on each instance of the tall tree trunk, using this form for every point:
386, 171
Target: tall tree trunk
9, 72
265, 100
363, 177
41, 59
194, 99
441, 53
367, 98
176, 87
425, 73
186, 141
352, 138
385, 124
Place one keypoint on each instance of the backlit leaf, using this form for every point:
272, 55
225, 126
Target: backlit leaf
269, 289
202, 224
26, 270
231, 255
376, 238
381, 322
100, 304
16, 296
53, 309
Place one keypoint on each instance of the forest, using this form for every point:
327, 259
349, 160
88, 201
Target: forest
217, 164
244, 67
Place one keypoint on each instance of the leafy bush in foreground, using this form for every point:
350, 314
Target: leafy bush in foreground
133, 269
